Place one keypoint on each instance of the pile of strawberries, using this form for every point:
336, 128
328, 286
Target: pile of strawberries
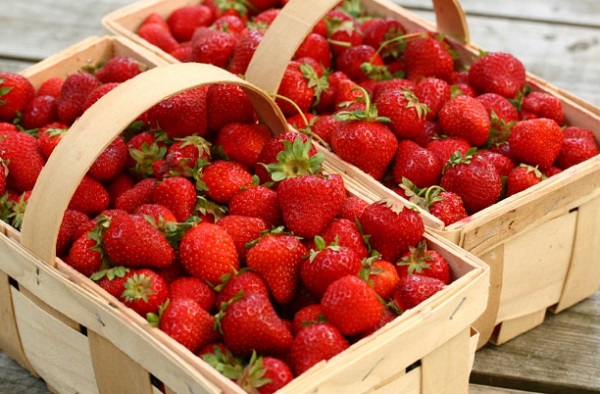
396, 104
231, 240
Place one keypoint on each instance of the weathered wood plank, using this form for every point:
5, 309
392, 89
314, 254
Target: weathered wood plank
563, 352
477, 389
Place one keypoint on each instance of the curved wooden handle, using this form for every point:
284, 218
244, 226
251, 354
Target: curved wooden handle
297, 19
100, 124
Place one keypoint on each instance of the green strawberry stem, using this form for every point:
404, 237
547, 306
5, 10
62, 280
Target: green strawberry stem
401, 38
294, 160
369, 114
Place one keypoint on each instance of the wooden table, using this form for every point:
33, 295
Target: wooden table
557, 40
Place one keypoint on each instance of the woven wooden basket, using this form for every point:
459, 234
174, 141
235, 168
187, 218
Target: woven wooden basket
64, 328
551, 228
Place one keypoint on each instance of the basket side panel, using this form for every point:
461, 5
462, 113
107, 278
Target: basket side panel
406, 383
447, 368
58, 353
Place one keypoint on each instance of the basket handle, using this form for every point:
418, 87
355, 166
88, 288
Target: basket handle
296, 20
100, 124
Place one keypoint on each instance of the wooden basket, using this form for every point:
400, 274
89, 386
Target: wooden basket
90, 342
538, 242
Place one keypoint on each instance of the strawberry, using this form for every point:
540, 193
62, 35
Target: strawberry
231, 23
497, 72
446, 206
420, 260
323, 127
445, 148
474, 179
195, 289
418, 164
394, 84
97, 94
521, 178
181, 115
223, 179
294, 87
72, 219
244, 50
141, 193
259, 202
183, 53
184, 155
178, 194
73, 94
16, 92
243, 229
576, 150
264, 375
131, 241
276, 257
504, 110
414, 289
185, 20
50, 135
306, 316
502, 163
242, 142
145, 148
351, 305
380, 31
579, 132
361, 139
145, 291
208, 252
111, 161
212, 47
249, 323
39, 112
362, 62
405, 111
119, 69
346, 34
262, 5
246, 281
227, 103
392, 228
84, 255
431, 131
316, 47
353, 208
90, 197
159, 35
23, 158
315, 343
536, 142
346, 233
542, 105
326, 264
112, 280
50, 87
158, 213
465, 117
427, 57
383, 277
434, 93
185, 321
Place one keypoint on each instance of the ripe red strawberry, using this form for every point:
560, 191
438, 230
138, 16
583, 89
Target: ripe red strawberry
251, 324
84, 256
497, 72
39, 112
306, 316
243, 229
465, 117
309, 202
145, 291
50, 135
502, 163
295, 87
72, 219
434, 93
185, 20
420, 260
246, 281
50, 87
315, 343
243, 142
145, 148
16, 92
112, 280
414, 289
131, 241
195, 289
444, 148
394, 84
579, 132
212, 47
111, 161
119, 69
346, 233
23, 158
536, 141
231, 23
315, 46
446, 206
405, 111
208, 252
186, 322
344, 34
543, 105
384, 278
259, 202
178, 194
227, 103
262, 375
381, 30
351, 305
500, 105
262, 5
576, 150
97, 94
244, 50
183, 156
181, 115
160, 214
474, 179
141, 193
521, 178
326, 264
418, 164
90, 197
73, 94
159, 35
223, 179
392, 228
362, 62
427, 57
277, 258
